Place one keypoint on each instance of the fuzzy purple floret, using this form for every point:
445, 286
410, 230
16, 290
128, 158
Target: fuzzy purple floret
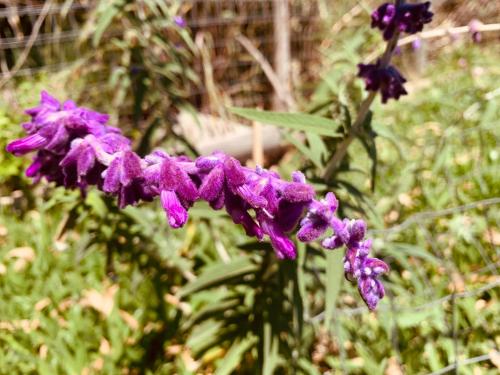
76, 148
387, 80
407, 18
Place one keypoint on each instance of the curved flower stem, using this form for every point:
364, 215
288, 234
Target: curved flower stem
341, 150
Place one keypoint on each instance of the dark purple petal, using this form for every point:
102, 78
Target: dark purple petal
85, 161
236, 209
386, 80
250, 196
176, 213
27, 144
374, 267
311, 230
358, 230
112, 178
282, 245
409, 18
371, 290
213, 184
333, 242
130, 167
34, 167
289, 214
234, 172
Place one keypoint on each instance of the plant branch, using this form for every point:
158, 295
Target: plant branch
341, 149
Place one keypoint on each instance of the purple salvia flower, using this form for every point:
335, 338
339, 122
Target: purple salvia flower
387, 80
76, 148
123, 177
408, 18
318, 218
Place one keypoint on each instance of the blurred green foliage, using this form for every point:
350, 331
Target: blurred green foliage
86, 288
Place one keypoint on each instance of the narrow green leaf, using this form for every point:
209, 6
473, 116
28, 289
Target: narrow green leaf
293, 121
271, 356
105, 19
233, 356
218, 274
334, 277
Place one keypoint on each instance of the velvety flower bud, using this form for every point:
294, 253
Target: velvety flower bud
27, 144
358, 230
172, 177
371, 290
298, 192
386, 80
121, 172
234, 172
408, 18
213, 184
318, 218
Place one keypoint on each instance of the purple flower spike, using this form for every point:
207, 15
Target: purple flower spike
408, 18
76, 148
388, 80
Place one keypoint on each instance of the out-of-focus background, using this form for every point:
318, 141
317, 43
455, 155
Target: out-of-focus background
85, 288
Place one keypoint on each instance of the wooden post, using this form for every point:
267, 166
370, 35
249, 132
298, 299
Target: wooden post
282, 48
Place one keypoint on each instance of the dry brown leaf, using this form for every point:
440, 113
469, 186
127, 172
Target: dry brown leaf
65, 304
129, 319
495, 358
457, 283
393, 367
173, 349
492, 236
20, 264
43, 303
25, 252
24, 324
104, 347
98, 364
102, 302
42, 352
183, 306
405, 199
189, 362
